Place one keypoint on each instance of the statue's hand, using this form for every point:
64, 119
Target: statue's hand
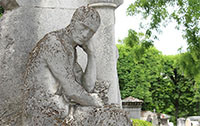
97, 100
88, 48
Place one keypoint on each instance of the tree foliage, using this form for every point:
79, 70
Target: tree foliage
132, 69
157, 79
175, 93
186, 13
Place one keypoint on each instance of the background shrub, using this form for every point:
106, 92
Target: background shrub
137, 122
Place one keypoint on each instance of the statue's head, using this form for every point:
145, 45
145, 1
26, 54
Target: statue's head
85, 22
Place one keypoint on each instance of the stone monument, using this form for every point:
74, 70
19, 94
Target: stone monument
30, 21
181, 122
132, 106
54, 79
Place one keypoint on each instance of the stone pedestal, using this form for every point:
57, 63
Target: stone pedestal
22, 28
106, 116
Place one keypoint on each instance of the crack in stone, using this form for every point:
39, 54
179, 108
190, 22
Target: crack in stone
9, 45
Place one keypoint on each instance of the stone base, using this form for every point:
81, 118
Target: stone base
106, 116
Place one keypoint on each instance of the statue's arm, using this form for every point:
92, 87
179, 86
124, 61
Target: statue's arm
89, 77
57, 65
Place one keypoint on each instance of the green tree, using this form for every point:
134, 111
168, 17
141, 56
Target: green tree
136, 76
157, 79
138, 67
175, 93
186, 13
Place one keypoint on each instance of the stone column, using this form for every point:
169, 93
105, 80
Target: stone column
106, 51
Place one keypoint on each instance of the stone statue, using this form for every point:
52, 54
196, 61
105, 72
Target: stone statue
54, 79
49, 97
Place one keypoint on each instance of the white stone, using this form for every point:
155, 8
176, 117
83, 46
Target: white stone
106, 116
188, 122
17, 38
107, 52
181, 122
21, 28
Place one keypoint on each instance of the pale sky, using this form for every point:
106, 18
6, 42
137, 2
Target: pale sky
170, 40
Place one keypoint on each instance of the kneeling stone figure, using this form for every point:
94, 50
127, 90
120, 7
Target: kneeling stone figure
54, 79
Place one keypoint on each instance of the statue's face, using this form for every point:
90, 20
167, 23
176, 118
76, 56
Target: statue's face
81, 33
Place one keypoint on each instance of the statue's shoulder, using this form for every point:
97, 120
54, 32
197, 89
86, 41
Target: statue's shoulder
50, 39
49, 36
46, 45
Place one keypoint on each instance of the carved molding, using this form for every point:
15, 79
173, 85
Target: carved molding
103, 3
68, 4
53, 4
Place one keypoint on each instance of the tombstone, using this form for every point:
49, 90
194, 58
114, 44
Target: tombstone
188, 122
153, 115
171, 124
23, 26
194, 120
164, 119
133, 107
156, 119
195, 123
181, 122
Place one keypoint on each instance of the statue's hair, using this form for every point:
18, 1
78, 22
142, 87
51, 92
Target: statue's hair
88, 16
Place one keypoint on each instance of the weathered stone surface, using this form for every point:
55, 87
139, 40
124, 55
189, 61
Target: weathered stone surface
17, 38
107, 53
106, 116
21, 28
105, 48
102, 89
53, 78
